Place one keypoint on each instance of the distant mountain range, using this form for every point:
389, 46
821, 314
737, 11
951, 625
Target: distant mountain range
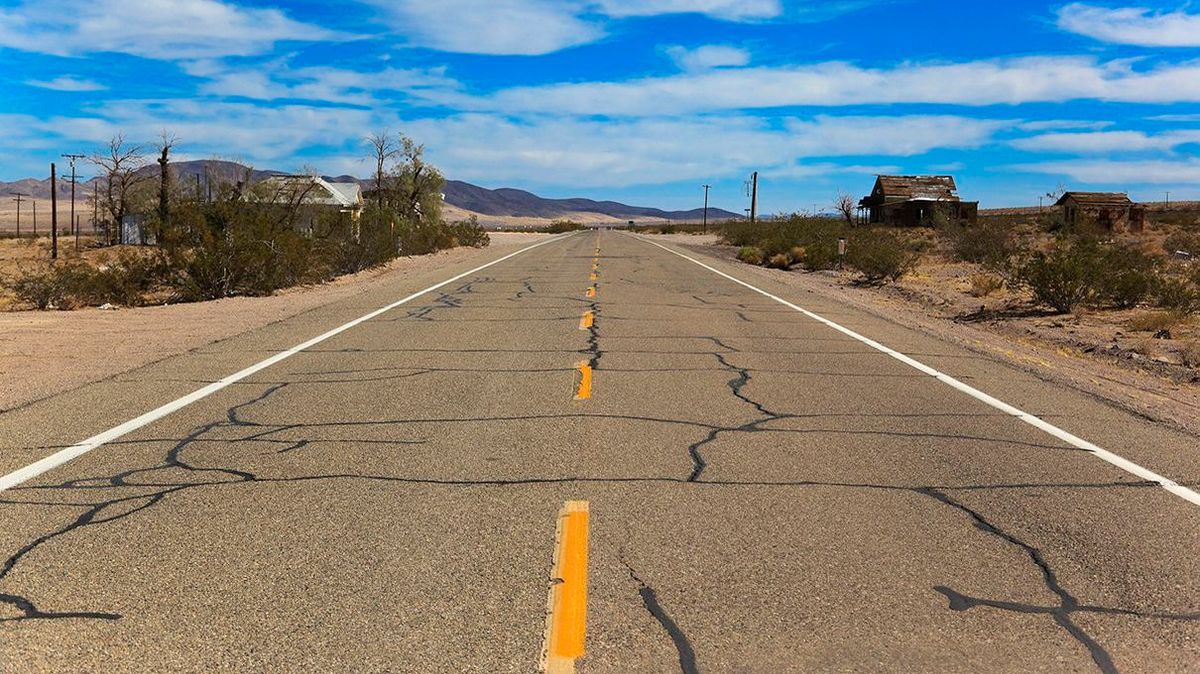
502, 203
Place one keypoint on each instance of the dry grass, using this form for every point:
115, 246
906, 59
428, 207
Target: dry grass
983, 285
1190, 354
1155, 321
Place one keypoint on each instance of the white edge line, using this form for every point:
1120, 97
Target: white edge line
1115, 459
84, 446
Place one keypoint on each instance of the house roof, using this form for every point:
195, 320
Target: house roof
320, 192
935, 188
1096, 199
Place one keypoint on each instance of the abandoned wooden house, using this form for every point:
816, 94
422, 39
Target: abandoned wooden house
915, 201
1111, 211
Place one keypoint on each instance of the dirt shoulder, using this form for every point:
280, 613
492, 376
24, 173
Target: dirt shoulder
1054, 348
47, 352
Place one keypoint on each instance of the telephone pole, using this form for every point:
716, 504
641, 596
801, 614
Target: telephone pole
53, 213
1168, 199
754, 197
74, 226
706, 189
18, 197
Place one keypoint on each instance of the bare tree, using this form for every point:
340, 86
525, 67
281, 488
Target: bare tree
384, 149
121, 163
845, 205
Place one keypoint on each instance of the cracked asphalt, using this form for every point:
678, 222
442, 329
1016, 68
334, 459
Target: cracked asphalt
766, 494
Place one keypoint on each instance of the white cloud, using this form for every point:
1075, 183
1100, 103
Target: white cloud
708, 57
164, 29
277, 81
1132, 25
534, 27
1063, 125
1106, 142
617, 153
1181, 119
830, 84
1108, 172
501, 27
729, 10
67, 83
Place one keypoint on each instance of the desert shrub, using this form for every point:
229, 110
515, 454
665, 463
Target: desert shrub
342, 245
879, 255
470, 233
1177, 295
1126, 276
561, 227
751, 255
39, 289
989, 244
983, 285
780, 261
126, 281
820, 254
1188, 242
230, 247
809, 241
1063, 278
1051, 220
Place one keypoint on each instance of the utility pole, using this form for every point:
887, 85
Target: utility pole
1168, 199
17, 198
34, 219
754, 197
706, 189
74, 227
53, 213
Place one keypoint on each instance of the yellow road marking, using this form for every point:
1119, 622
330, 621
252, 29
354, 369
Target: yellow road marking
591, 291
585, 381
585, 323
566, 624
592, 277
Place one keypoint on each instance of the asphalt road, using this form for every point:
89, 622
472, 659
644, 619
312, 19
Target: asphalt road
766, 493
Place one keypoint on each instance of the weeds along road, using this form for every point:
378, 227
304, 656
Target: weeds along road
764, 492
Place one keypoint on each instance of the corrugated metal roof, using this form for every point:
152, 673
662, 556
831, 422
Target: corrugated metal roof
937, 188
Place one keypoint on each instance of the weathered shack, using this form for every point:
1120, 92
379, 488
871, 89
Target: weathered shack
913, 201
1111, 211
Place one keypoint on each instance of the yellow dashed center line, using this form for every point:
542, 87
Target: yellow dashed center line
585, 323
585, 381
566, 623
593, 276
591, 291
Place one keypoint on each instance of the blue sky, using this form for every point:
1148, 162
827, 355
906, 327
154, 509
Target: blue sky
635, 100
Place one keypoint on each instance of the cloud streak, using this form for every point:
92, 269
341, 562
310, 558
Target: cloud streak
1131, 25
161, 29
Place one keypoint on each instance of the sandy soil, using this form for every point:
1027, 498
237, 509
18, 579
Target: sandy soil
46, 352
1092, 352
